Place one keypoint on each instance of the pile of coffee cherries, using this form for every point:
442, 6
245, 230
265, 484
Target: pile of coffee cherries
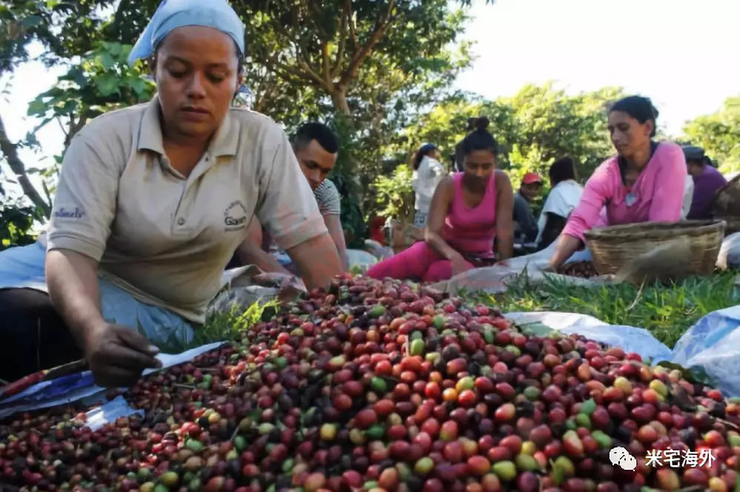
582, 269
388, 386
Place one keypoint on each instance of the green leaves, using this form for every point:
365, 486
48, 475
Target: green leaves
694, 375
107, 61
534, 128
16, 222
31, 21
140, 87
395, 194
100, 81
719, 135
36, 108
107, 84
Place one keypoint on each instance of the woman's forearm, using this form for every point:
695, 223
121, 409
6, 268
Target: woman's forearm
317, 260
439, 245
505, 245
567, 245
72, 281
250, 253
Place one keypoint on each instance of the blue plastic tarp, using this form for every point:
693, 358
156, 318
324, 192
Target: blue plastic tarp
712, 346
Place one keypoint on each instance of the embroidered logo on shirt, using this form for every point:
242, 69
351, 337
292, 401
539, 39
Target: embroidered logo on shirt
63, 213
235, 216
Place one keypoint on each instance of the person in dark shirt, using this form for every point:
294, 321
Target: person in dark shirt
707, 180
525, 225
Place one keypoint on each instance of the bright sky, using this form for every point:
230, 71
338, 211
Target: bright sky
684, 54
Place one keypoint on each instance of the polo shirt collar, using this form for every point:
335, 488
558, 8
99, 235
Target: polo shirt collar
150, 133
223, 143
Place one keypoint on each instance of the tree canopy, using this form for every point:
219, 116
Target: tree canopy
344, 62
380, 72
719, 135
535, 127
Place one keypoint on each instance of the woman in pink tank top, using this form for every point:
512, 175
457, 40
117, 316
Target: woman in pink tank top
468, 210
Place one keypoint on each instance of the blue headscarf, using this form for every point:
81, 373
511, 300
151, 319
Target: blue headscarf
172, 14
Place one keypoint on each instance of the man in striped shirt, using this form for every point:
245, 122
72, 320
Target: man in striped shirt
316, 147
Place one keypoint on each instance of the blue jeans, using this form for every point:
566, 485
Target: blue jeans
23, 268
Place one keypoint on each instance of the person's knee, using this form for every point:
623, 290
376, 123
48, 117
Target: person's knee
438, 271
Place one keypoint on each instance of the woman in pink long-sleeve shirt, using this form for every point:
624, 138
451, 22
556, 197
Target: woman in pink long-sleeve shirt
643, 183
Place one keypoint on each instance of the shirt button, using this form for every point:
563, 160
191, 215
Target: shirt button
180, 221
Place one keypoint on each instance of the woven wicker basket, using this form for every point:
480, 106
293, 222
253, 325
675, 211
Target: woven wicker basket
612, 247
727, 200
733, 224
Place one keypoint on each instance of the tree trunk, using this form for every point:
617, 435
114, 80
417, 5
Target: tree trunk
339, 98
16, 165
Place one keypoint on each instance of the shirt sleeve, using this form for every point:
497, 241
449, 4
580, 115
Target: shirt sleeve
669, 188
688, 196
549, 204
327, 196
588, 213
436, 168
287, 208
438, 174
85, 202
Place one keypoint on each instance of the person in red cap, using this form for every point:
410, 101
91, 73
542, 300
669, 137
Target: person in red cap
525, 224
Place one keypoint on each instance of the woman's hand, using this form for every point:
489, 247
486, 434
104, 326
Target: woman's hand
460, 265
118, 355
566, 246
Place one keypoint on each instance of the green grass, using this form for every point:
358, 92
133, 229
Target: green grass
666, 310
226, 326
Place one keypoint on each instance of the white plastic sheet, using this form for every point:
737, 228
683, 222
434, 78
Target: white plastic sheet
495, 279
360, 259
709, 350
629, 338
76, 387
729, 253
110, 412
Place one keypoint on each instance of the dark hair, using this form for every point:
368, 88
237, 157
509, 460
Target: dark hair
319, 132
562, 170
423, 151
479, 139
459, 156
638, 107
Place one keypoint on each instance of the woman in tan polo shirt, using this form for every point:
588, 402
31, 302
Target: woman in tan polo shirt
151, 203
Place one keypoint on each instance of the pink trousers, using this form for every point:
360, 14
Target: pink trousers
420, 261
